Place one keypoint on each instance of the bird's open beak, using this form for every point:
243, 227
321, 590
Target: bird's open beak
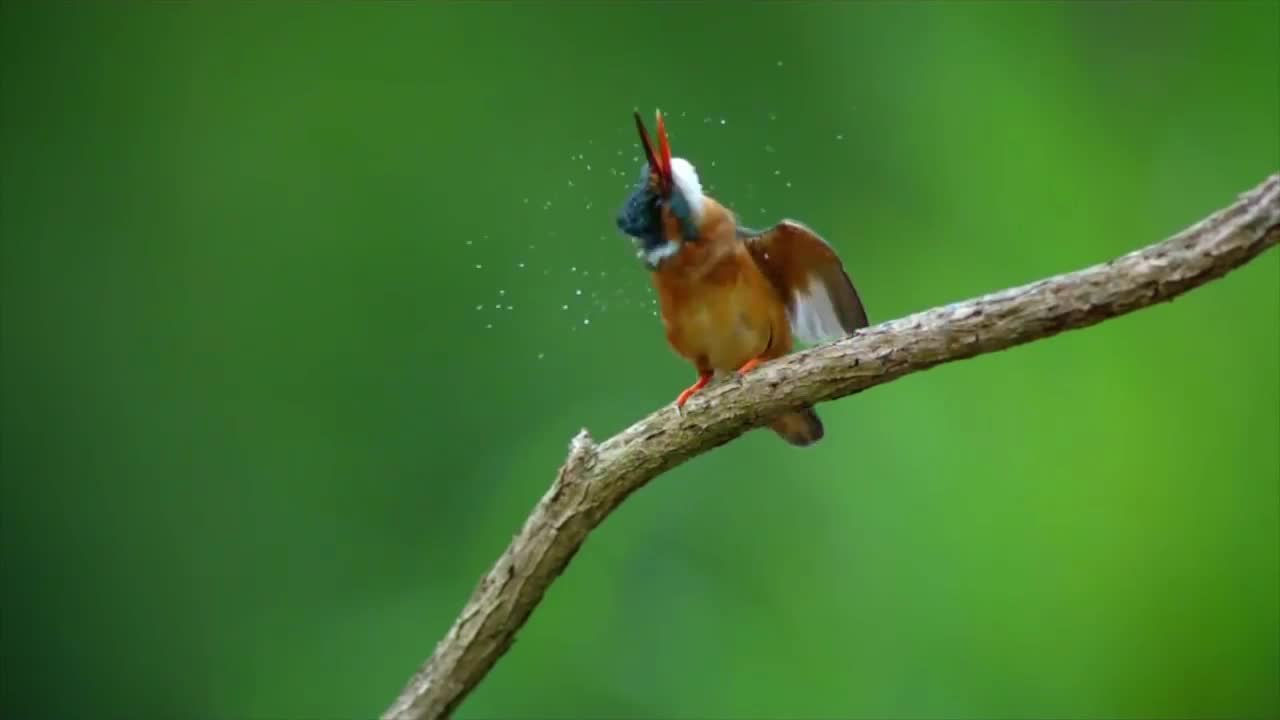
659, 162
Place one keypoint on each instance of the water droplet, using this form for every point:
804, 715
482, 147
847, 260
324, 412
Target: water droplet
468, 242
541, 355
526, 201
588, 166
479, 307
502, 292
788, 183
839, 137
577, 292
564, 307
488, 326
521, 265
586, 321
511, 307
570, 185
779, 63
479, 266
777, 172
722, 121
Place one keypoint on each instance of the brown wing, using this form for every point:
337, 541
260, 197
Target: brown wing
822, 304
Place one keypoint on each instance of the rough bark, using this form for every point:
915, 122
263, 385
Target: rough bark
596, 478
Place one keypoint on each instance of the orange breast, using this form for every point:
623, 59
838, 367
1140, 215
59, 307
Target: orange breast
721, 313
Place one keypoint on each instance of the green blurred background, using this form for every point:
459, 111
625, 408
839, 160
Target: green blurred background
293, 339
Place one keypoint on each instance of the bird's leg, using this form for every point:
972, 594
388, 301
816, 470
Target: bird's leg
764, 355
750, 365
703, 379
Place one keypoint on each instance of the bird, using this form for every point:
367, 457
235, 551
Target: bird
730, 297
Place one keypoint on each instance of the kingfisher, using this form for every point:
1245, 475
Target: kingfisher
730, 297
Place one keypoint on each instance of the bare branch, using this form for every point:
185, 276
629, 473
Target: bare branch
596, 478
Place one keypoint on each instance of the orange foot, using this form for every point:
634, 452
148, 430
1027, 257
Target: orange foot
750, 365
703, 379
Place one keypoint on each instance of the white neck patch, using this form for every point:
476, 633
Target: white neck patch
687, 184
653, 257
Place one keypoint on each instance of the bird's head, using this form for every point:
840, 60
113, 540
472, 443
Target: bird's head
665, 210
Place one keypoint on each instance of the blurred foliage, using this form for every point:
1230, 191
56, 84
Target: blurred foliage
293, 339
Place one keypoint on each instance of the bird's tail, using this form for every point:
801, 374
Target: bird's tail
801, 427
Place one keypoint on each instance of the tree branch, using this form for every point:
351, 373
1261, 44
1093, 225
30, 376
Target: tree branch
595, 479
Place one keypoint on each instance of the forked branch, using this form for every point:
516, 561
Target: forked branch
596, 478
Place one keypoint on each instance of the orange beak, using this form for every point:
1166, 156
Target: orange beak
659, 162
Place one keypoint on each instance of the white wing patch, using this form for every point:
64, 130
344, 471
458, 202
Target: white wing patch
813, 316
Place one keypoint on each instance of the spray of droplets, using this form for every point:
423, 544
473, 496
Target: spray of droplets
581, 296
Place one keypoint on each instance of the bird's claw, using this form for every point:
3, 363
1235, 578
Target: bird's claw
703, 379
747, 367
